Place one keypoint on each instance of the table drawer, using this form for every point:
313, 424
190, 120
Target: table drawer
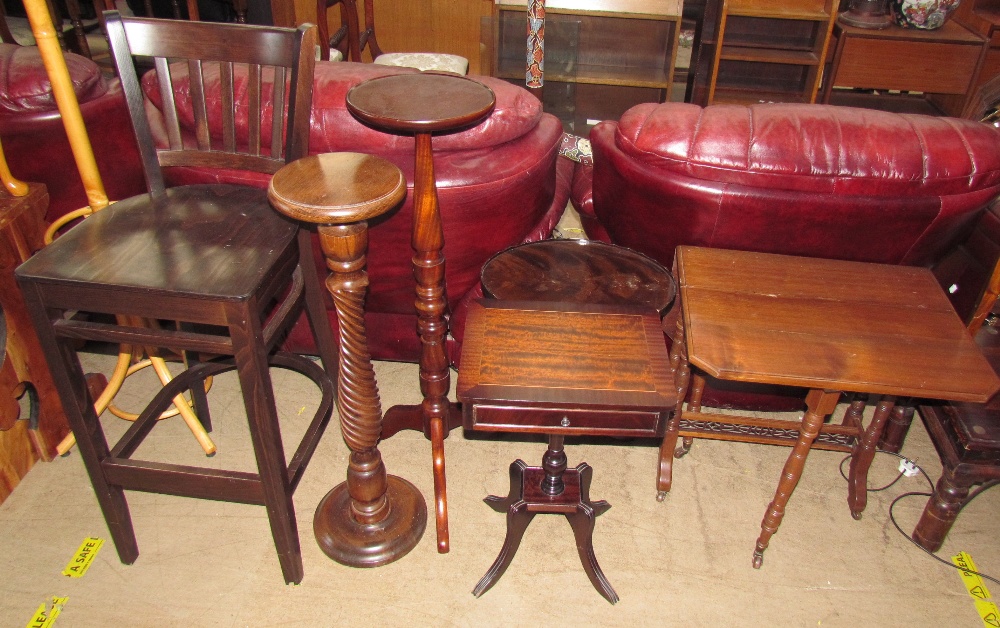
626, 423
922, 66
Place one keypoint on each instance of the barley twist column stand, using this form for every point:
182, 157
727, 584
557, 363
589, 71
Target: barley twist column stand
372, 518
422, 104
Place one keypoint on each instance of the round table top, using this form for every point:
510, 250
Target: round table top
336, 188
424, 102
578, 271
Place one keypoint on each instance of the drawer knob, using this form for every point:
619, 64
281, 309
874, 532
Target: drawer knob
564, 422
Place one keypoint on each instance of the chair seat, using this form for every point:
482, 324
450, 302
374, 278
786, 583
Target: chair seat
426, 61
215, 241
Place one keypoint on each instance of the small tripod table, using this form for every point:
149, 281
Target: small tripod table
422, 104
562, 370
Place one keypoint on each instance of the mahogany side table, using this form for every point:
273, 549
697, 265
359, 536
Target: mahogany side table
562, 370
423, 104
827, 325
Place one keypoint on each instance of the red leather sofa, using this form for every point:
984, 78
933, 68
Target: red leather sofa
811, 180
34, 138
499, 184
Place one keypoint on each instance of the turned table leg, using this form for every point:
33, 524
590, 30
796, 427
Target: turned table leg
820, 404
862, 456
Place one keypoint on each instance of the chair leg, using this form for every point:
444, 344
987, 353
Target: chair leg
265, 433
941, 510
71, 385
315, 308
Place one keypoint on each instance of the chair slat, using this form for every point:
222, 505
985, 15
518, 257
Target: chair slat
250, 67
278, 98
198, 107
254, 96
166, 85
228, 107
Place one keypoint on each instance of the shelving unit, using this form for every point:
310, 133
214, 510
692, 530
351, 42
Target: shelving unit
601, 56
771, 50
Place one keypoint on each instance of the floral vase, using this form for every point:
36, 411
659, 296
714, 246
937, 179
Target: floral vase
925, 14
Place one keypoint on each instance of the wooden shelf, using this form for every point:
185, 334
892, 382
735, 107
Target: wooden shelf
749, 96
770, 50
592, 74
623, 50
769, 55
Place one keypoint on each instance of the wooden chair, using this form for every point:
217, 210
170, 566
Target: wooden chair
215, 259
350, 41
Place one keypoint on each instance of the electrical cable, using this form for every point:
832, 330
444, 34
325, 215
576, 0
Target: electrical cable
892, 516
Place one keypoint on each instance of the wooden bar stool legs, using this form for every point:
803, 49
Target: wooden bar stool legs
372, 518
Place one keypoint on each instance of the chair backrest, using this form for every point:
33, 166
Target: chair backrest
261, 111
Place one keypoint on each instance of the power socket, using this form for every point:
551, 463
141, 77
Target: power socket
908, 468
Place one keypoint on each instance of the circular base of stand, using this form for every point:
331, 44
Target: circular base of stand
350, 543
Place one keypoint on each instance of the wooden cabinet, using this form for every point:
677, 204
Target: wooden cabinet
24, 372
983, 18
601, 56
771, 50
940, 64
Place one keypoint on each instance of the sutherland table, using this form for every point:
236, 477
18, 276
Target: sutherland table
830, 326
562, 370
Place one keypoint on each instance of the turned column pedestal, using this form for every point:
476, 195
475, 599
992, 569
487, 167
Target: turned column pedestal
372, 518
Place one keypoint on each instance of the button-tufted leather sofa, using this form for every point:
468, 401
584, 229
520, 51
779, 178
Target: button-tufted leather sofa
499, 184
812, 180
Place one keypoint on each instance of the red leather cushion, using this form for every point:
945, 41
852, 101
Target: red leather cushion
25, 87
335, 129
814, 148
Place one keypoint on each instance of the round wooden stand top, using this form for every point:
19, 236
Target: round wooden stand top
578, 271
421, 103
336, 188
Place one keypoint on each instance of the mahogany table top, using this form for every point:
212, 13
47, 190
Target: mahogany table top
827, 324
571, 355
421, 103
578, 271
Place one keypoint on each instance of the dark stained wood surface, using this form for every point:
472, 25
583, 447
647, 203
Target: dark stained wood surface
578, 271
566, 355
372, 518
832, 324
214, 254
336, 188
561, 369
421, 103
